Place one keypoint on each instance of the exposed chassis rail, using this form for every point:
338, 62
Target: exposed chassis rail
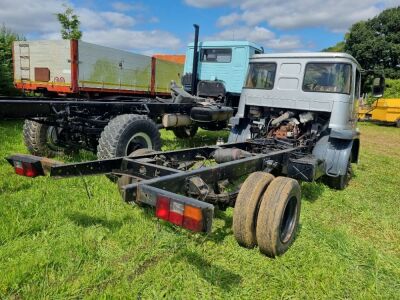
153, 176
23, 108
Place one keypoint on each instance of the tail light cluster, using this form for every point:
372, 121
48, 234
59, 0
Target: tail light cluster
26, 165
25, 169
181, 214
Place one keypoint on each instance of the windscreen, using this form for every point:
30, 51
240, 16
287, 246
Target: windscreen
327, 78
261, 76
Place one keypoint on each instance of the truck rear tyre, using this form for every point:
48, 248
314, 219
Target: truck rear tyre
278, 216
41, 139
185, 131
126, 133
246, 208
342, 181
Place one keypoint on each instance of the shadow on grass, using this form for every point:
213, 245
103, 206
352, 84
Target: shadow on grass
85, 220
311, 191
214, 274
221, 233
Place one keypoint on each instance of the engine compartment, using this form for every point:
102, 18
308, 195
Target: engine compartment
296, 127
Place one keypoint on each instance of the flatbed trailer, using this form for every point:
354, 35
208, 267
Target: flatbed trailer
187, 196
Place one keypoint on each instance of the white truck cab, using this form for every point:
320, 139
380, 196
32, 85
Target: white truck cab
303, 98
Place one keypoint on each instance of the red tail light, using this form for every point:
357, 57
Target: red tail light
162, 208
18, 167
180, 214
25, 169
29, 170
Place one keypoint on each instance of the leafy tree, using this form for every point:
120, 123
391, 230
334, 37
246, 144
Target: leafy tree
69, 24
339, 47
7, 37
376, 43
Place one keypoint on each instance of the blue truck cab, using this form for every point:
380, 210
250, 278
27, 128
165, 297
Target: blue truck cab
222, 67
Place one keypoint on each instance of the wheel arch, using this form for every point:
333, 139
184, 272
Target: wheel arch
335, 153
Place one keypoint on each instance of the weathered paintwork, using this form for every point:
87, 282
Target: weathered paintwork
232, 73
100, 69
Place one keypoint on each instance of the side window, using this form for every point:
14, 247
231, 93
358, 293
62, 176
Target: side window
216, 55
261, 76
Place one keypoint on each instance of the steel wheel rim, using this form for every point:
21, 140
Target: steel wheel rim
138, 140
288, 220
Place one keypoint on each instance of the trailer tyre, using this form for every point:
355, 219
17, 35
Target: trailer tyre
40, 140
246, 208
126, 133
278, 216
185, 131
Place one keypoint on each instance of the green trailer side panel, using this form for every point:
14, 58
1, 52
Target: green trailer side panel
167, 71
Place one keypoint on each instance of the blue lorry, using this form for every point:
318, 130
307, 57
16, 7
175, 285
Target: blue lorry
221, 70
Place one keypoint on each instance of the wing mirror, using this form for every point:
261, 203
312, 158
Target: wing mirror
378, 87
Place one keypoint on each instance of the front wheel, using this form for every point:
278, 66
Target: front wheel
342, 181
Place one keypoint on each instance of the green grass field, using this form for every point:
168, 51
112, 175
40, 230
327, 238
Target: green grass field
58, 241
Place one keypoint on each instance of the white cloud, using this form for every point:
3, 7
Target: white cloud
25, 16
261, 36
228, 19
209, 3
123, 6
336, 15
118, 19
133, 39
37, 19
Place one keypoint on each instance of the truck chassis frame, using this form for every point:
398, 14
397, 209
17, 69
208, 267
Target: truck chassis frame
146, 178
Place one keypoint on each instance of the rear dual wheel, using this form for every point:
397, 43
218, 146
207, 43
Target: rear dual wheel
267, 213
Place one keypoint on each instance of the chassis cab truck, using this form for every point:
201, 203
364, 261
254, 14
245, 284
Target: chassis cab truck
306, 98
296, 121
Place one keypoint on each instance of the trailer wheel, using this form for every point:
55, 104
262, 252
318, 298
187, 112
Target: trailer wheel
185, 131
342, 181
278, 216
41, 139
126, 133
246, 208
124, 179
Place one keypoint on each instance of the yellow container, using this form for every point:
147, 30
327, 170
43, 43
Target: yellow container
382, 110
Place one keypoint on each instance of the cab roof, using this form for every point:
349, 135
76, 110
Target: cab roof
316, 55
222, 44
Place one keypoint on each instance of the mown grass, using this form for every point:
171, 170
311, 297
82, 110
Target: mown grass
58, 241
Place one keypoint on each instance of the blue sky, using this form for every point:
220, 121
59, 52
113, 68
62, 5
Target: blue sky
166, 26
